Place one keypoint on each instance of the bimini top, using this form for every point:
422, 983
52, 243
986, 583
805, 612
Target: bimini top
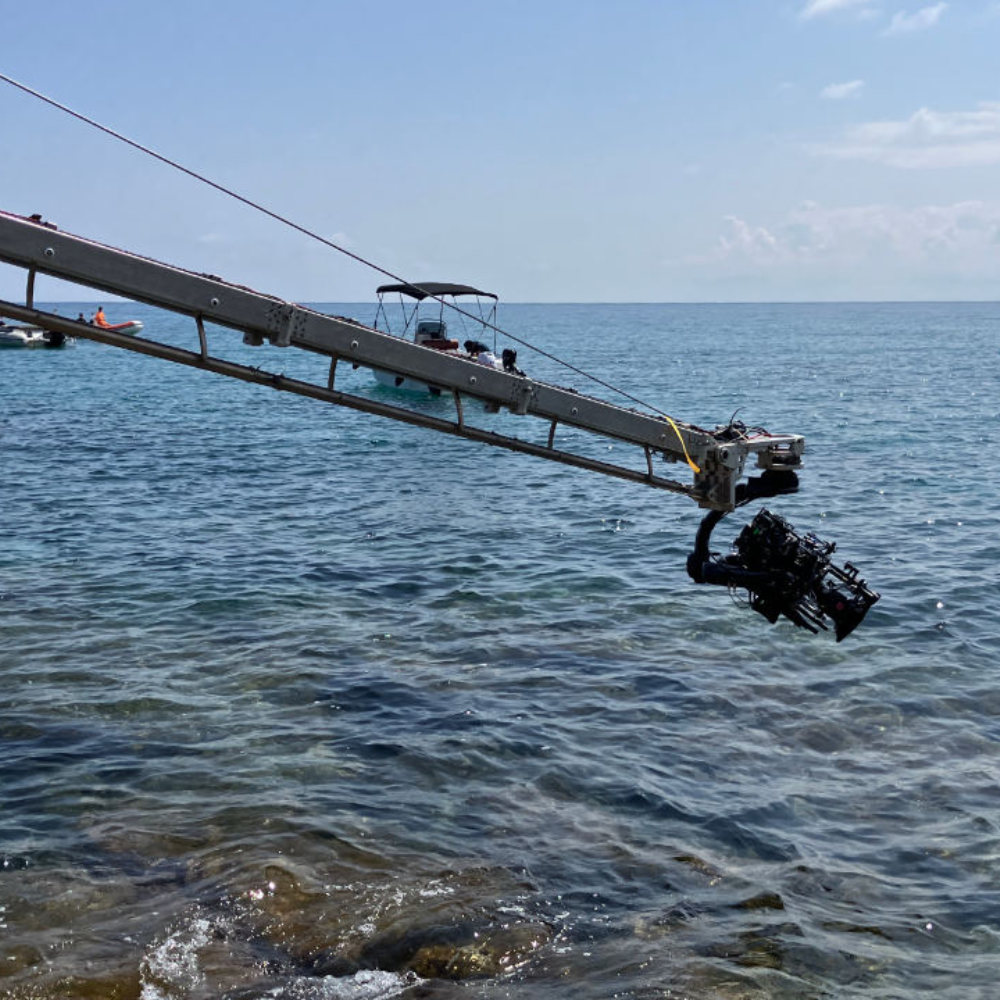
428, 289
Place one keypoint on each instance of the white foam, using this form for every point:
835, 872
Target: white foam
171, 969
369, 984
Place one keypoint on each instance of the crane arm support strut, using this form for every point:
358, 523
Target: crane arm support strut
720, 459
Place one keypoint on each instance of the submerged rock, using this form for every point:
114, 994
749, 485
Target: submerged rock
16, 958
460, 951
762, 901
448, 925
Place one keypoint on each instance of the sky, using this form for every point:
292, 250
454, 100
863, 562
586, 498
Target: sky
547, 150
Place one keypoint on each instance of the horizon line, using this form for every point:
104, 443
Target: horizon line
598, 302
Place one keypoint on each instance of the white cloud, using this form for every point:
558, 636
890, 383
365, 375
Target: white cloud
962, 237
840, 91
903, 23
928, 139
818, 8
753, 242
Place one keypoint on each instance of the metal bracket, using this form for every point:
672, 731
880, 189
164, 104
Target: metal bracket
283, 322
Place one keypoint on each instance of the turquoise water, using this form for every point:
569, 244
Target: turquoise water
301, 703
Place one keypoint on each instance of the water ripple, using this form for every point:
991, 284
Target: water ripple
299, 704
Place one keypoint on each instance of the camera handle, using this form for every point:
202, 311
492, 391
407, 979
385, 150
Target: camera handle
701, 566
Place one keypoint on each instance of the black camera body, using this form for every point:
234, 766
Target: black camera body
794, 577
785, 573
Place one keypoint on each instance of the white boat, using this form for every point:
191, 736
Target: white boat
132, 326
31, 336
432, 331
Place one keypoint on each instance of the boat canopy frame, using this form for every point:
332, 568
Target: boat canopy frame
441, 292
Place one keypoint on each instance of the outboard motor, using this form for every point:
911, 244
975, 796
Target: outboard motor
509, 358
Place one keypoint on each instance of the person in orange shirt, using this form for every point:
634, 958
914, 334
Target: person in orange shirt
99, 318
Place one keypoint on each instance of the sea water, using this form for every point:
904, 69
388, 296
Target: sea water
301, 703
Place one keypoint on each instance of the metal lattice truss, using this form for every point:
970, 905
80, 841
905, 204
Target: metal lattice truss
720, 459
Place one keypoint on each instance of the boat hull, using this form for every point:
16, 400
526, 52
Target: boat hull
403, 384
132, 326
20, 337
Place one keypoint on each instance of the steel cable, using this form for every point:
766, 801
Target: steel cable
334, 246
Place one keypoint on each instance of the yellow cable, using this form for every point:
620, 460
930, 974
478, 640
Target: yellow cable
680, 437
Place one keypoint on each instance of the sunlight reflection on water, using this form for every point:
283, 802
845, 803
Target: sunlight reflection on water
299, 703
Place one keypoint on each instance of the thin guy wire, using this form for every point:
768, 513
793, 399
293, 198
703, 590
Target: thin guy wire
321, 239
